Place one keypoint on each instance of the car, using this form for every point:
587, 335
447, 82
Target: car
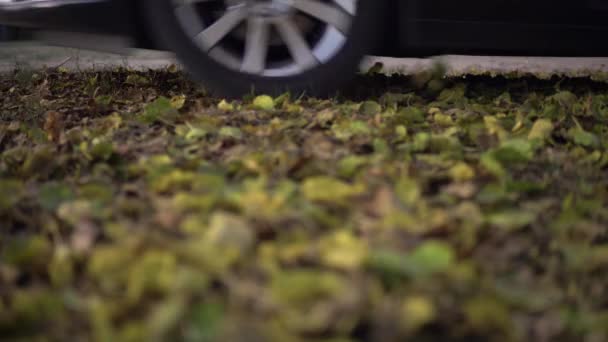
234, 47
6, 33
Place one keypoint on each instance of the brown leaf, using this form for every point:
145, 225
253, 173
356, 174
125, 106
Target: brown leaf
54, 125
383, 202
84, 236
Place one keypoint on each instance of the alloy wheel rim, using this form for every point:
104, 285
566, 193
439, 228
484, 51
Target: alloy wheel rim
271, 38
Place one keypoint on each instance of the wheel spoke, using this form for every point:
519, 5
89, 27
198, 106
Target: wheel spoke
256, 46
212, 35
324, 12
350, 6
297, 45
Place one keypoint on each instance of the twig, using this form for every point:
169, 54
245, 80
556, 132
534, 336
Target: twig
62, 63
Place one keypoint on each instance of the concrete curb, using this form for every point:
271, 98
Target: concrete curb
36, 56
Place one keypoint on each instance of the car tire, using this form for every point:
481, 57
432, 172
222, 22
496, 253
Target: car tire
7, 33
322, 78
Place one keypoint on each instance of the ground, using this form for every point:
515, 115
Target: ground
135, 207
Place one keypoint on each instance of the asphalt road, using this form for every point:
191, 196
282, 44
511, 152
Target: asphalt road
36, 55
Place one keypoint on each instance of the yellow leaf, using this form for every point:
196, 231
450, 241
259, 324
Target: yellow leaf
178, 101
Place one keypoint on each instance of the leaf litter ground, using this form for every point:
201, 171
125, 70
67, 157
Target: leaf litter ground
134, 207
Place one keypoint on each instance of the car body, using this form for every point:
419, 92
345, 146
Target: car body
400, 28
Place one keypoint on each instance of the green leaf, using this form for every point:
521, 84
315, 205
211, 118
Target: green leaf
347, 129
421, 142
153, 272
61, 267
178, 101
101, 150
583, 138
327, 189
225, 106
389, 264
11, 191
564, 99
431, 257
487, 314
137, 80
161, 110
264, 102
27, 251
370, 108
412, 115
462, 172
343, 250
165, 317
514, 151
511, 220
541, 130
195, 133
230, 232
205, 322
443, 119
348, 166
489, 162
52, 195
300, 287
231, 133
34, 306
104, 101
408, 191
417, 311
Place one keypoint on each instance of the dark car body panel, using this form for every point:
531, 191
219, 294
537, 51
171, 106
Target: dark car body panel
414, 27
92, 16
531, 27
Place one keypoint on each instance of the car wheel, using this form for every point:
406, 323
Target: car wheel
7, 33
266, 46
